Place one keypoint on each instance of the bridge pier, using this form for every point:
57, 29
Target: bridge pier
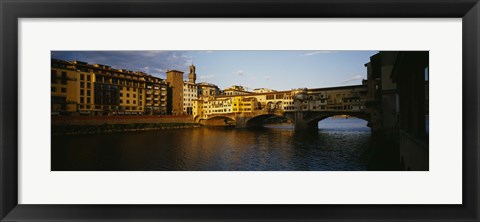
241, 121
300, 123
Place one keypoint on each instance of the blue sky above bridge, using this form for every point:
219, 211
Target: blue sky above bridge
280, 70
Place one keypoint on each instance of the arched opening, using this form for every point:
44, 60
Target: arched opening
219, 121
339, 120
197, 119
267, 119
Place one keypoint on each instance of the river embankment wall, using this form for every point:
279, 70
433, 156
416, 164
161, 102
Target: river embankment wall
113, 120
64, 125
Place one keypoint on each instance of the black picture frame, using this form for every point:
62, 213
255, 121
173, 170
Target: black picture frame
11, 11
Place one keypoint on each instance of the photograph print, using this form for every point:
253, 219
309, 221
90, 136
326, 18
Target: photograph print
239, 110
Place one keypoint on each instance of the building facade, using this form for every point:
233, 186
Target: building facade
207, 89
155, 96
79, 88
398, 101
65, 88
235, 90
189, 95
190, 91
175, 92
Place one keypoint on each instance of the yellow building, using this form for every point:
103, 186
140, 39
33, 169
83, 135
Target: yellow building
79, 88
115, 91
243, 104
64, 88
175, 95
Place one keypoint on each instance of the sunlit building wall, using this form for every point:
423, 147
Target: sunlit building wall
64, 88
175, 92
79, 88
207, 89
155, 96
190, 91
235, 90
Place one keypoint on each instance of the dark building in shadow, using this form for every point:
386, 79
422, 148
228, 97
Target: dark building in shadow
397, 101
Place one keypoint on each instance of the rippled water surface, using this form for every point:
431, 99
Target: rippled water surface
339, 144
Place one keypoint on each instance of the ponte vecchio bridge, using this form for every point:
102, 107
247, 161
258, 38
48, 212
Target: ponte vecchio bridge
304, 107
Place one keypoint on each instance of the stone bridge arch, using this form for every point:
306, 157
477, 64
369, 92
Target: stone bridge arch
197, 119
220, 120
257, 121
311, 119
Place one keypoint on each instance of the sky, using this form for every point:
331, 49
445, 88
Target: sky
278, 70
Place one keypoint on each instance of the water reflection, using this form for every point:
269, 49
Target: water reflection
339, 144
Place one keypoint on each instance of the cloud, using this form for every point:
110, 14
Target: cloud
357, 77
267, 77
153, 62
317, 52
206, 77
240, 73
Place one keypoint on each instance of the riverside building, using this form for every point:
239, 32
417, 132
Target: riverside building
235, 90
79, 88
175, 92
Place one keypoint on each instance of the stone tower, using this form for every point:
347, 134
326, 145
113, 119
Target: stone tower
175, 92
192, 76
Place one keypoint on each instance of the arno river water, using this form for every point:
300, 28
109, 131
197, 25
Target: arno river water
339, 144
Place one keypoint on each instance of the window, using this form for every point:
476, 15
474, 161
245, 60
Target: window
82, 77
88, 99
64, 90
54, 76
54, 89
88, 85
128, 95
82, 85
81, 92
88, 92
64, 78
81, 100
88, 77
